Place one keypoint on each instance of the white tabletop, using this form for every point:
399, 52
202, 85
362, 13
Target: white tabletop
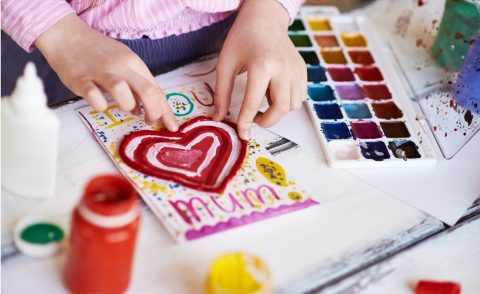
358, 237
355, 227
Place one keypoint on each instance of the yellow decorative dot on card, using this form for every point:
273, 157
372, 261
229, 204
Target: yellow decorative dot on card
295, 196
272, 171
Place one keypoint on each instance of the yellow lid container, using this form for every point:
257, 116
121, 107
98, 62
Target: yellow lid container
238, 273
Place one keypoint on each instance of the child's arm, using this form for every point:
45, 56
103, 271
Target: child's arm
86, 61
258, 43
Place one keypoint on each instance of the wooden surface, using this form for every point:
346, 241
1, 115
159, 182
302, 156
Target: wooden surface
450, 255
359, 238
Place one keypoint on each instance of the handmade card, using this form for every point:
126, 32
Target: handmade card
202, 179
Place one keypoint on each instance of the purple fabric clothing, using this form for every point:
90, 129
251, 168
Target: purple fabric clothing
160, 55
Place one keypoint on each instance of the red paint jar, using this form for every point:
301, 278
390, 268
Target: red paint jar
103, 234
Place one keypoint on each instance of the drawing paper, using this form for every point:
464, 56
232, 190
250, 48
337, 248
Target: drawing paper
260, 189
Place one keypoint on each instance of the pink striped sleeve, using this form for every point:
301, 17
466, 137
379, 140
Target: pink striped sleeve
292, 6
25, 21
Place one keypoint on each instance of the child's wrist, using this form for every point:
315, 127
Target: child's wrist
57, 37
271, 10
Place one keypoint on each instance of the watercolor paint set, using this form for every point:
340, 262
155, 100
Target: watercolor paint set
361, 115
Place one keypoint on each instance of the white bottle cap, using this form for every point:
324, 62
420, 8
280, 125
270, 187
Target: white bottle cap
29, 91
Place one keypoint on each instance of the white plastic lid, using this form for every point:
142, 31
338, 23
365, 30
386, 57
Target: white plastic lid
29, 92
39, 236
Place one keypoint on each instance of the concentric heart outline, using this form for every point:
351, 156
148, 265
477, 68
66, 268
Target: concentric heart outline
212, 178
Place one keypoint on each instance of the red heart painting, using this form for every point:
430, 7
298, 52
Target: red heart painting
203, 154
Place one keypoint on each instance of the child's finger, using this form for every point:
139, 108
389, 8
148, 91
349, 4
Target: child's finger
296, 93
168, 118
154, 102
280, 94
257, 83
150, 96
120, 92
304, 79
90, 92
223, 90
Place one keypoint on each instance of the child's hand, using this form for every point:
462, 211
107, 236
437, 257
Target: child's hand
88, 63
259, 44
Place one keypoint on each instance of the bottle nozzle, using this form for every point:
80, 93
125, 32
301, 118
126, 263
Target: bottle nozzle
30, 71
29, 91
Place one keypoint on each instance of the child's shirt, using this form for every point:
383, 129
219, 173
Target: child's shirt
24, 21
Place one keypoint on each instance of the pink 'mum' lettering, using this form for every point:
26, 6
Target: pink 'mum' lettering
189, 210
258, 194
233, 200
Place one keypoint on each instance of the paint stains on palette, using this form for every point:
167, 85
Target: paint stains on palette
360, 119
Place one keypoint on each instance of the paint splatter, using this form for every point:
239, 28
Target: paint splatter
453, 104
459, 36
420, 3
402, 23
468, 117
419, 43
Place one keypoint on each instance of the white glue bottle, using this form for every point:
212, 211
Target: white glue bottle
30, 133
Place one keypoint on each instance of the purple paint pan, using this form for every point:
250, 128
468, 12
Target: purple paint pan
349, 92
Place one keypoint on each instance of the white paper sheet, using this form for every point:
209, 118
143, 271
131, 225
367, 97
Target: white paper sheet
293, 124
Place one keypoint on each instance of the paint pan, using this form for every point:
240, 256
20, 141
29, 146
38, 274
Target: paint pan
375, 150
344, 149
377, 92
395, 129
341, 74
361, 57
310, 57
328, 111
369, 73
356, 105
353, 40
335, 130
319, 24
357, 110
326, 40
297, 25
316, 74
320, 93
349, 92
366, 130
300, 40
333, 56
404, 149
387, 110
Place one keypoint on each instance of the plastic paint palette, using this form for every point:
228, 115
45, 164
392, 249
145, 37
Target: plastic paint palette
361, 115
